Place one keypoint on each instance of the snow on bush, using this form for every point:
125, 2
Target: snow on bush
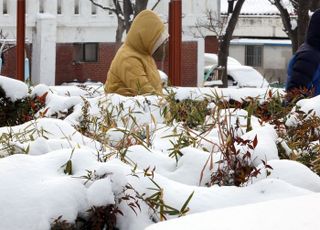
13, 89
135, 160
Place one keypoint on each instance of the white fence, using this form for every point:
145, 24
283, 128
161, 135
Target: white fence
78, 18
68, 12
81, 21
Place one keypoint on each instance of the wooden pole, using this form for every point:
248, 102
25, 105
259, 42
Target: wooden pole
21, 25
175, 31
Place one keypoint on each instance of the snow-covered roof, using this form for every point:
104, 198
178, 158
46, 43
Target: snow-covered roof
258, 7
252, 41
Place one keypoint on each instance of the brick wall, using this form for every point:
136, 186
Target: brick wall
211, 44
9, 59
189, 65
67, 70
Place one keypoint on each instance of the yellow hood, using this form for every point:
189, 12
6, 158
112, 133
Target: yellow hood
133, 70
145, 30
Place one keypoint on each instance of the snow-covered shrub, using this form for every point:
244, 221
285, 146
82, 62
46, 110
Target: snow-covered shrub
116, 162
303, 139
192, 113
20, 110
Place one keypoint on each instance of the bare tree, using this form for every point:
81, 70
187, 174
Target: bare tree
296, 25
125, 10
211, 22
223, 28
224, 44
4, 45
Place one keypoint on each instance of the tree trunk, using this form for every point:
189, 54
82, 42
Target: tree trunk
294, 41
296, 35
128, 14
286, 21
140, 6
303, 19
120, 29
223, 52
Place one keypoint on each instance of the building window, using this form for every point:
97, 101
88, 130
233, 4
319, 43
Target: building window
93, 9
59, 7
41, 7
4, 7
86, 52
76, 7
254, 55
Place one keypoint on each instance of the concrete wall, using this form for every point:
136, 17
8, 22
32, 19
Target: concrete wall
275, 60
259, 26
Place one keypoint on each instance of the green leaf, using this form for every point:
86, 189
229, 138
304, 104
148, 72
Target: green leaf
186, 203
68, 169
155, 183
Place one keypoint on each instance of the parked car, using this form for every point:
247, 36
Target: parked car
238, 75
212, 59
245, 76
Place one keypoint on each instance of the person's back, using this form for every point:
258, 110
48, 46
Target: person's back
133, 70
304, 67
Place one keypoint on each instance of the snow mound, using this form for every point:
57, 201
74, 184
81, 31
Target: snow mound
278, 214
13, 89
292, 172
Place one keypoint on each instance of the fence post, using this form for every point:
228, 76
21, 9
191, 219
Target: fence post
21, 31
175, 31
44, 50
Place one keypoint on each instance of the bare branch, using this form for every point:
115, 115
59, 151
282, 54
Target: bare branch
285, 16
286, 21
212, 24
156, 4
103, 7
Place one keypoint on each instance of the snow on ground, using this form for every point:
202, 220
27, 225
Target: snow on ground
36, 187
285, 214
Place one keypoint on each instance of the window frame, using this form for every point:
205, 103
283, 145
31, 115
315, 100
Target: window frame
80, 52
255, 58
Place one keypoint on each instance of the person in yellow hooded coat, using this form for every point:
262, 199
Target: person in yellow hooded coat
133, 70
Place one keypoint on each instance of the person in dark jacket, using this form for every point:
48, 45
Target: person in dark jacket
304, 67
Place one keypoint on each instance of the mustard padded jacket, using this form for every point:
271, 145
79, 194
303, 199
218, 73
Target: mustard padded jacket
133, 70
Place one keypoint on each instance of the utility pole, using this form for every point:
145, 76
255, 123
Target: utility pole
21, 25
175, 40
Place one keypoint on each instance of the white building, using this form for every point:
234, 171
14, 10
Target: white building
269, 56
49, 22
260, 40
